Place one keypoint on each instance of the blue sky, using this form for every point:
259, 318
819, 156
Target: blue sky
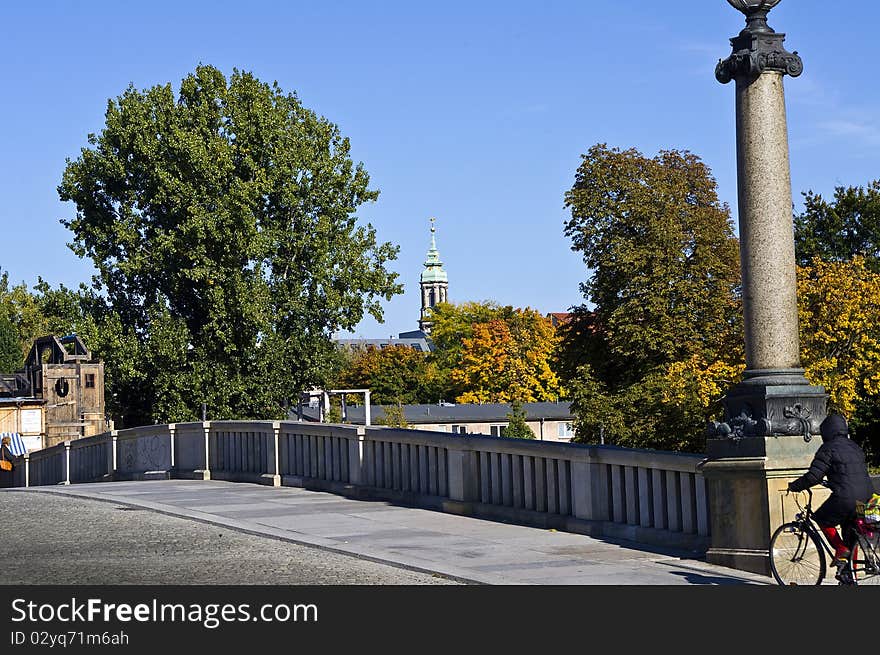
473, 112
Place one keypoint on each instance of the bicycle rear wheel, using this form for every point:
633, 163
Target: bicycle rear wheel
866, 560
796, 556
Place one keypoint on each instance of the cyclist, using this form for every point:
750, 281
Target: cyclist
842, 461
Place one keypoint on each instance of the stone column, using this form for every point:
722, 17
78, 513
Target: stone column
765, 222
771, 417
774, 397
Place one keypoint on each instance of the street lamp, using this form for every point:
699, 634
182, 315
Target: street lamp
749, 6
774, 397
758, 47
755, 450
756, 13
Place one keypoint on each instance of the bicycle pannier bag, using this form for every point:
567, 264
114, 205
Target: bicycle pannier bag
872, 510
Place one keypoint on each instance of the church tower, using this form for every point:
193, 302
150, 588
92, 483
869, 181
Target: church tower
434, 284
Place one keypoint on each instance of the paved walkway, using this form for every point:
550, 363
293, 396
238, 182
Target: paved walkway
467, 549
59, 539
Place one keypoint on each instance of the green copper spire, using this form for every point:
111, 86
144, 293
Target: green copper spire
433, 266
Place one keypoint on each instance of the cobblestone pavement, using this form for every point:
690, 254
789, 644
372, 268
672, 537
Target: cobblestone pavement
54, 539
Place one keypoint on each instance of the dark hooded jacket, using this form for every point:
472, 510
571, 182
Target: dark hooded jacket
841, 460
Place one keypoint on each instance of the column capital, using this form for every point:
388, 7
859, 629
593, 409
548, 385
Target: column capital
756, 52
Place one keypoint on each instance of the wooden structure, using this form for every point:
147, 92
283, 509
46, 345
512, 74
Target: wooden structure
62, 372
27, 417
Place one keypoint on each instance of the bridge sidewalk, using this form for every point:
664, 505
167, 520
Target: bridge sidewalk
468, 549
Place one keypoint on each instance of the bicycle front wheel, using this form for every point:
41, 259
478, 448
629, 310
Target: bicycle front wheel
796, 556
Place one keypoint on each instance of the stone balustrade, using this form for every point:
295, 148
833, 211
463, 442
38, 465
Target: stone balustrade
646, 496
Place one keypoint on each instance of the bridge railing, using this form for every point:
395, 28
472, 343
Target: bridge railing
647, 496
409, 463
242, 451
312, 452
88, 459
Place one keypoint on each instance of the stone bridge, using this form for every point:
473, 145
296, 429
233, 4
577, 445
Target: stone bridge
649, 497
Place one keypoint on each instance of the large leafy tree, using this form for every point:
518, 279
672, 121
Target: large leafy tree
663, 289
396, 374
837, 244
452, 323
22, 309
222, 223
486, 352
10, 351
838, 230
507, 359
839, 308
43, 310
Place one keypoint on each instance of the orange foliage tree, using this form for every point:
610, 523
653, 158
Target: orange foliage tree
508, 359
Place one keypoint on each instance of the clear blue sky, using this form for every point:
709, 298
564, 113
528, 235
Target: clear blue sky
474, 112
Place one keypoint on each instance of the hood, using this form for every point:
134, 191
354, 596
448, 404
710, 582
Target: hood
832, 427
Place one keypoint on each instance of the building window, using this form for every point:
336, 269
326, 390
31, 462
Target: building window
459, 429
566, 430
90, 380
498, 430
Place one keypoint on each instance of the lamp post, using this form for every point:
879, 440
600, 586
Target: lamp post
770, 417
774, 397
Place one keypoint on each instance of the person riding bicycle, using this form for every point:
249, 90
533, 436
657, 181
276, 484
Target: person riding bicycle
842, 461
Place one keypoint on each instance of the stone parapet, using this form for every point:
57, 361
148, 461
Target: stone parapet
747, 482
649, 496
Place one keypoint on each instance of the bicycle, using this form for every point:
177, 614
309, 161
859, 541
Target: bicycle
798, 551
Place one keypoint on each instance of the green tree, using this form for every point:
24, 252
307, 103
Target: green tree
394, 416
44, 311
517, 428
845, 233
664, 287
838, 230
23, 311
396, 374
10, 350
222, 223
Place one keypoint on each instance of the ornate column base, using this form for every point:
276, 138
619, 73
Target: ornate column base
765, 441
772, 402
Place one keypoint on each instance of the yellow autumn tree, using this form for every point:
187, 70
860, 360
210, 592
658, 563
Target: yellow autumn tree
839, 316
698, 386
508, 359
